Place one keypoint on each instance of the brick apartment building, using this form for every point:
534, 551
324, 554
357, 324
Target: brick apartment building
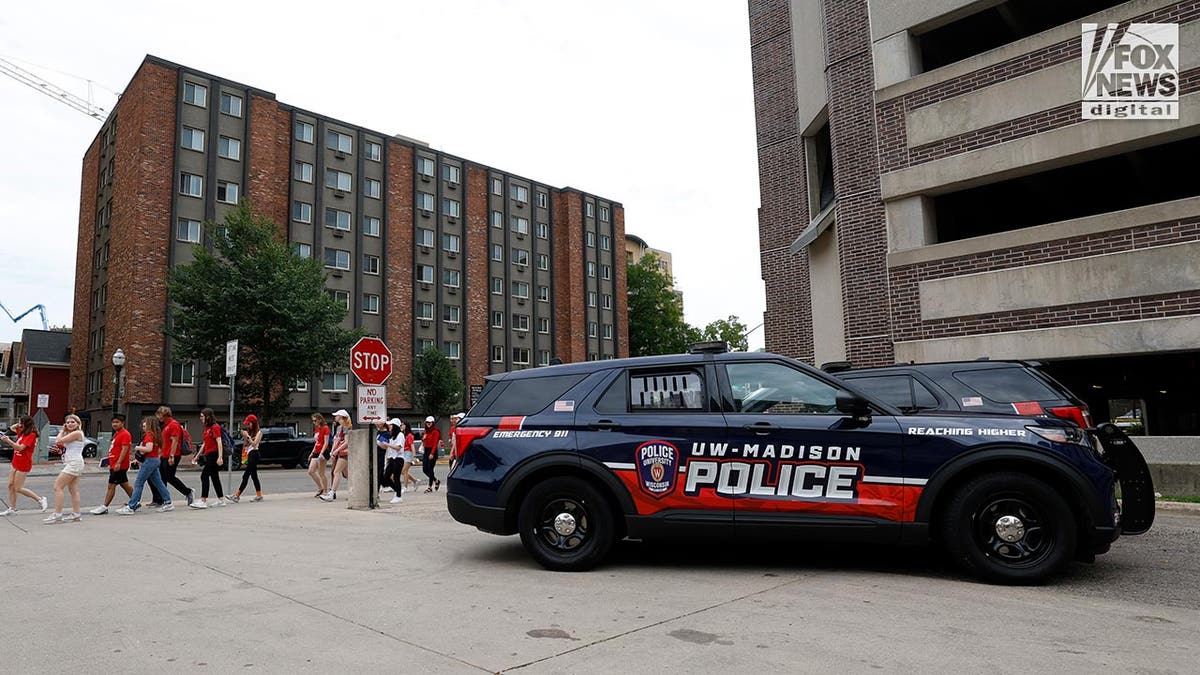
424, 247
931, 191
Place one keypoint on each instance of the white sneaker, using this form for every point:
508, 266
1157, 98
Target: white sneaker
396, 500
387, 489
328, 497
198, 505
72, 518
222, 502
125, 511
54, 518
99, 510
405, 489
8, 512
166, 507
45, 504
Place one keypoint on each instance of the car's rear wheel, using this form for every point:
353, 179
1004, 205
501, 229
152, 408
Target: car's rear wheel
89, 450
566, 524
1009, 528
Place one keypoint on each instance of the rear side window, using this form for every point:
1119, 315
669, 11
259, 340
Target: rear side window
902, 391
681, 389
1005, 385
529, 396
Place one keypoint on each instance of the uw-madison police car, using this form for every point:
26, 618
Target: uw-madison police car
755, 445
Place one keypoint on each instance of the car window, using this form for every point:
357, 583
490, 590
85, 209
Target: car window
529, 396
895, 389
665, 390
615, 399
1005, 385
774, 388
922, 397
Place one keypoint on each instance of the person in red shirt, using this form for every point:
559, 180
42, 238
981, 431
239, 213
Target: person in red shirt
22, 464
119, 456
172, 433
149, 453
214, 456
320, 453
430, 444
339, 451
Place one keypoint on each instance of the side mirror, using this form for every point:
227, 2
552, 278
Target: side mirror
853, 405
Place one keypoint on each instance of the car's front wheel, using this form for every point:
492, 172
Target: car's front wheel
89, 450
566, 524
1009, 528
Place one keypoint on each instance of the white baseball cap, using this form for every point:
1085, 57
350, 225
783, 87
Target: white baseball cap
341, 413
395, 422
459, 416
429, 419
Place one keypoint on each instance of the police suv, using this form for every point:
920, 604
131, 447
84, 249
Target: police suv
756, 445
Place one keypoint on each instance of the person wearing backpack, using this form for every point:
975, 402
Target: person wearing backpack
172, 452
214, 448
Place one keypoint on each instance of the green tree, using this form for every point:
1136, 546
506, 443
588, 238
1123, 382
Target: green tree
248, 286
730, 330
436, 388
656, 324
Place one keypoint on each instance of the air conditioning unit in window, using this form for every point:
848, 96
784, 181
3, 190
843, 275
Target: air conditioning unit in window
452, 290
520, 235
521, 203
339, 234
451, 254
425, 323
520, 301
451, 326
340, 194
451, 184
339, 154
452, 220
425, 249
425, 285
426, 177
425, 213
335, 397
337, 273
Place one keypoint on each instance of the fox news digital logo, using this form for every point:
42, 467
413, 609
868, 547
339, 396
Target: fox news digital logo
1131, 76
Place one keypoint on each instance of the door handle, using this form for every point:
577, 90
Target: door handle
604, 425
761, 428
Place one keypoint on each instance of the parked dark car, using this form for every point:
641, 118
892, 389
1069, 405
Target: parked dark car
280, 445
89, 444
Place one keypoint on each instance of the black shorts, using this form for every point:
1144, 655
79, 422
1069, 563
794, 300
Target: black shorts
118, 477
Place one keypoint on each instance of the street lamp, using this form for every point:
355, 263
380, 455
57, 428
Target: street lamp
118, 360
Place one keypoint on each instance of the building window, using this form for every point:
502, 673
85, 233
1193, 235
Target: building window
373, 150
340, 297
303, 172
591, 299
592, 356
589, 209
543, 357
425, 311
451, 207
227, 192
519, 194
425, 274
520, 322
337, 259
544, 293
183, 374
452, 349
302, 212
497, 353
187, 230
591, 239
451, 243
591, 269
298, 385
497, 319
302, 250
191, 185
371, 226
498, 252
497, 286
542, 199
192, 139
520, 225
608, 331
424, 237
497, 186
370, 264
337, 219
497, 219
424, 345
451, 278
605, 272
195, 94
520, 356
370, 303
450, 173
424, 201
520, 290
335, 382
231, 105
543, 324
543, 231
338, 180
606, 301
372, 188
451, 313
591, 329
425, 166
605, 242
339, 142
520, 257
604, 214
543, 261
304, 132
820, 169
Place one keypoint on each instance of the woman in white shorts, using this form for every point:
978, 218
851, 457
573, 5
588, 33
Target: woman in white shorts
71, 439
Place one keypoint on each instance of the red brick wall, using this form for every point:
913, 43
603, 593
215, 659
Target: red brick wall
782, 184
475, 234
269, 154
570, 344
398, 296
141, 229
81, 322
621, 284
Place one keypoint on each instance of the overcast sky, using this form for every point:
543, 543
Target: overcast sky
647, 102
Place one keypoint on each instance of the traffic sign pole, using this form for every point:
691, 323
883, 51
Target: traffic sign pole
231, 354
371, 363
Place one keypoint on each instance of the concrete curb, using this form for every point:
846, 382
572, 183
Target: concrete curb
1176, 506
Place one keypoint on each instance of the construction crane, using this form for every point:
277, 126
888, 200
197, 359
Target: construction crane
52, 90
16, 319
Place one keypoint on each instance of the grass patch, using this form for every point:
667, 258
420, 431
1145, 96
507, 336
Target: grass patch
1174, 498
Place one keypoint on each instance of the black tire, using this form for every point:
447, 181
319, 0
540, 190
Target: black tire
236, 461
1035, 543
589, 516
89, 450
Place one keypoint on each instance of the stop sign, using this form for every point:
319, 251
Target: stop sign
370, 360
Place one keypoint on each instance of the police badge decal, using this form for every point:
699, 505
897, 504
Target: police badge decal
657, 466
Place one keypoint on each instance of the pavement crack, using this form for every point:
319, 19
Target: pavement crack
314, 608
653, 625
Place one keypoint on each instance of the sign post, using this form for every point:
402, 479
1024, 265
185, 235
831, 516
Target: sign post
371, 363
231, 356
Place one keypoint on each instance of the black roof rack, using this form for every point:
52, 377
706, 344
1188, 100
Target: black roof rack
713, 347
